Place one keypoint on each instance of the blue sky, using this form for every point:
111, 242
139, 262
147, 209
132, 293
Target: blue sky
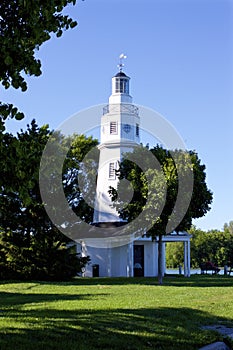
180, 60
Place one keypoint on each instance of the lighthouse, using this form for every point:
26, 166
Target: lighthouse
137, 256
120, 133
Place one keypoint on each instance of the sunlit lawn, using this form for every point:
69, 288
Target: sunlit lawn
114, 313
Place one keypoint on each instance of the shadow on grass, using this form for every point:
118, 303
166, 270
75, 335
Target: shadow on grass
10, 299
168, 280
199, 281
155, 328
27, 324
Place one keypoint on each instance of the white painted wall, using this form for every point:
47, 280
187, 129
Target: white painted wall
113, 144
118, 261
98, 256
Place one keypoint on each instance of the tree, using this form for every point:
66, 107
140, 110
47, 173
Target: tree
174, 254
214, 245
31, 246
228, 227
156, 190
24, 26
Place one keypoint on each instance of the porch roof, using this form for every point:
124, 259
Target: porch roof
172, 237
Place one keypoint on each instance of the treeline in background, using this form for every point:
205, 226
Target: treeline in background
215, 246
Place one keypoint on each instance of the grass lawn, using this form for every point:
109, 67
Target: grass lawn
121, 313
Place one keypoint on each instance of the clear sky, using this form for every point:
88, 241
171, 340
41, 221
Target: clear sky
180, 60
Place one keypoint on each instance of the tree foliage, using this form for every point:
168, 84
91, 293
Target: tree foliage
201, 196
152, 185
31, 246
174, 254
24, 26
228, 227
213, 245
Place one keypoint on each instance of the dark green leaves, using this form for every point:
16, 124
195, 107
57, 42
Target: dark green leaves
177, 167
24, 26
31, 246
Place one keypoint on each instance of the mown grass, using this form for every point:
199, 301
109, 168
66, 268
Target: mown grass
103, 313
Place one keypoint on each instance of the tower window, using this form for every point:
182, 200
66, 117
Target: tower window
113, 128
122, 85
137, 129
112, 173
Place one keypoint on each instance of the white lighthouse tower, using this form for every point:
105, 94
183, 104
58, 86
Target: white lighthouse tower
119, 134
137, 256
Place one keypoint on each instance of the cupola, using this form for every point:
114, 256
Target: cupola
120, 86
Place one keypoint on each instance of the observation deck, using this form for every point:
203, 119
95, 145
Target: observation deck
127, 108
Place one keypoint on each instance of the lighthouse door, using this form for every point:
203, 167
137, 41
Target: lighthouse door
138, 260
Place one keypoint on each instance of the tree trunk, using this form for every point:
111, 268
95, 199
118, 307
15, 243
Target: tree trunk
160, 260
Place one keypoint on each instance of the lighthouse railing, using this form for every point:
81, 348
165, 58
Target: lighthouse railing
121, 108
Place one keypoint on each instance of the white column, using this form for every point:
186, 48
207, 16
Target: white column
186, 260
188, 257
164, 258
109, 261
129, 272
155, 258
83, 255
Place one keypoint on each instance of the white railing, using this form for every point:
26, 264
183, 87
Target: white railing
121, 108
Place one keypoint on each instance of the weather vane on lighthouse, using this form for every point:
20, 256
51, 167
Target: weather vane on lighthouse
121, 64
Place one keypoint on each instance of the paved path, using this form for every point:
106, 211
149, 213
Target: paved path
223, 330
